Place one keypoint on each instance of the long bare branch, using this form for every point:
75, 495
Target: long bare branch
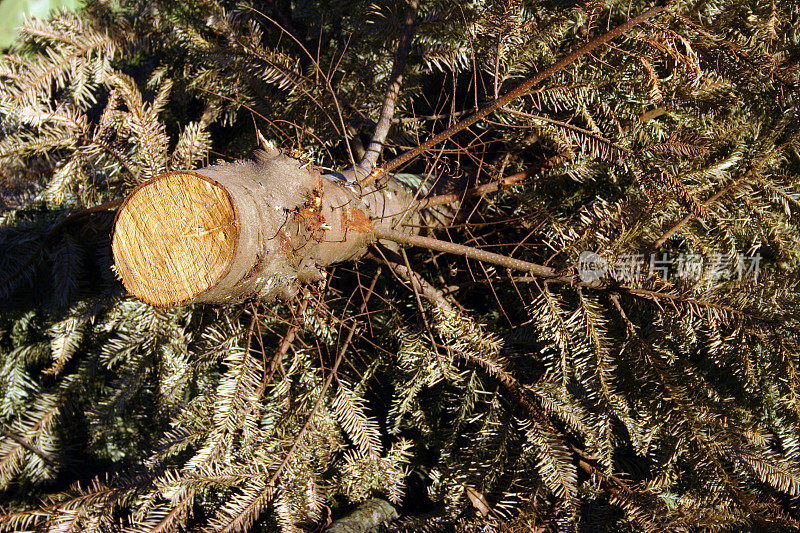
375, 146
549, 274
466, 251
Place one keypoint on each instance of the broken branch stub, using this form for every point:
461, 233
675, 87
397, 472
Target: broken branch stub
253, 228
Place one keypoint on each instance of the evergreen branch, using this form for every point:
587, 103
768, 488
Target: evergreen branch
513, 94
554, 463
28, 446
114, 153
362, 429
96, 496
693, 215
142, 121
48, 238
239, 514
40, 422
750, 173
44, 77
325, 386
162, 519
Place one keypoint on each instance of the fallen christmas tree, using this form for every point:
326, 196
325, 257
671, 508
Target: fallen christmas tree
499, 266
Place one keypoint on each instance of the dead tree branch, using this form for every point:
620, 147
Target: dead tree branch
549, 274
375, 146
479, 190
466, 251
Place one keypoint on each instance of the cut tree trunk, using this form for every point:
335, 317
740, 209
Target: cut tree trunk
253, 228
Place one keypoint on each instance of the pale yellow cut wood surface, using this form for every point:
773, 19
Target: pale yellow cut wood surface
174, 238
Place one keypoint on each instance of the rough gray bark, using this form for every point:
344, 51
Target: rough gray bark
367, 517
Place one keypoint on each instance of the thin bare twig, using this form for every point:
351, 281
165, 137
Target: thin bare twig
567, 126
283, 349
515, 93
479, 190
375, 146
425, 118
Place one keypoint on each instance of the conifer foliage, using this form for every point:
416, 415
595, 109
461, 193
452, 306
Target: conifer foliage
660, 393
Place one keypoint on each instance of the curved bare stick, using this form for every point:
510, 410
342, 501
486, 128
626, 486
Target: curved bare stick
487, 188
